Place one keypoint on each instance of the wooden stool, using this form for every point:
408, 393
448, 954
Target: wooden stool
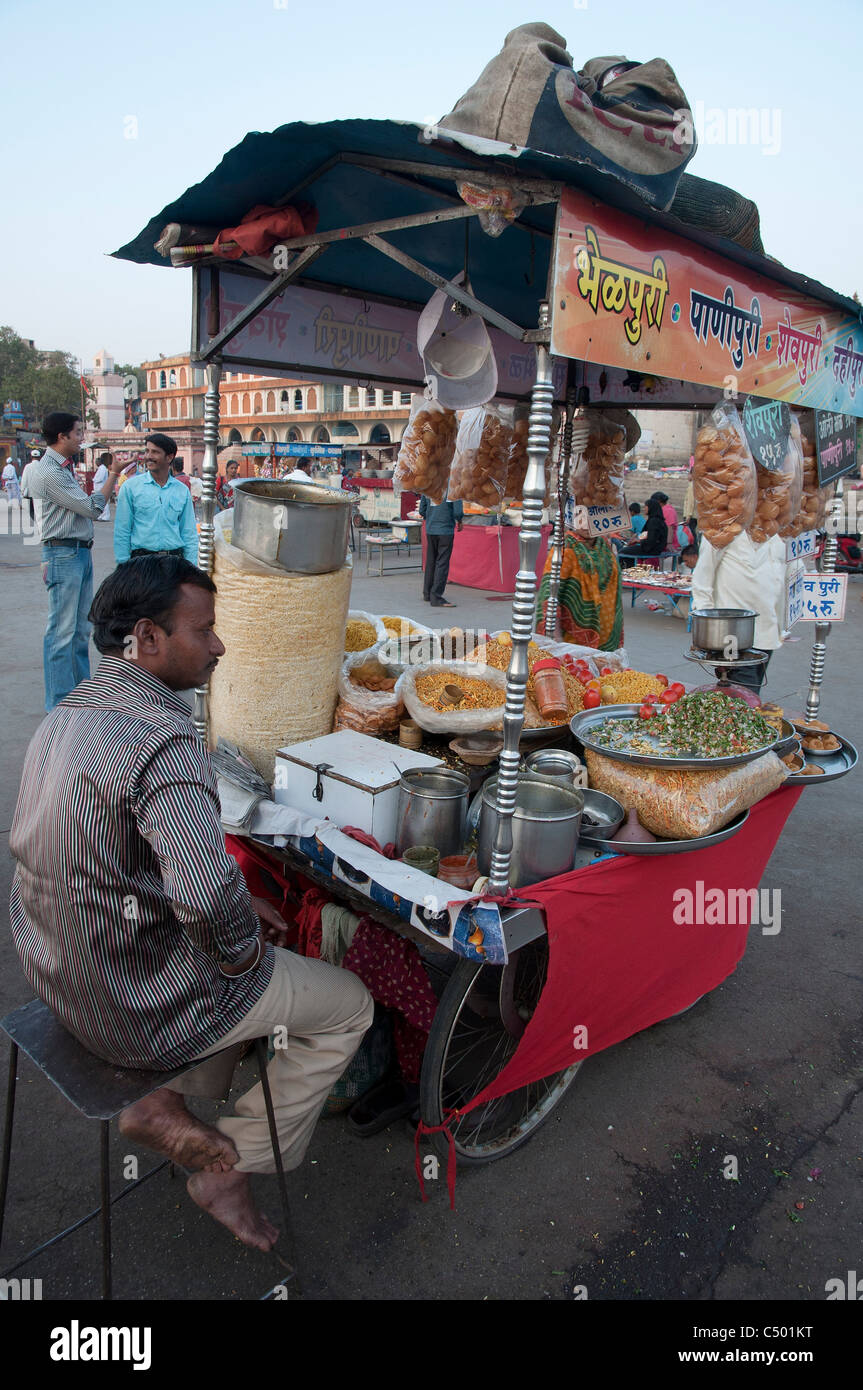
99, 1090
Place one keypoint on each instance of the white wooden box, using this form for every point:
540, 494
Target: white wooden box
360, 787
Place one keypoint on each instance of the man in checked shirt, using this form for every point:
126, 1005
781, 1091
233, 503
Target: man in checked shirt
133, 923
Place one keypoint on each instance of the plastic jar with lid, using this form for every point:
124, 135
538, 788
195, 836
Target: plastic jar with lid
549, 689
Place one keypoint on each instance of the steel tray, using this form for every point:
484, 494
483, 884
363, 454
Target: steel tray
668, 846
582, 724
834, 764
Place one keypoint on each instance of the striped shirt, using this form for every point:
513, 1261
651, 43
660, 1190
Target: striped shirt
65, 512
124, 899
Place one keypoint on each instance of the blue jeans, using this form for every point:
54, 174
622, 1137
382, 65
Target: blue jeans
68, 574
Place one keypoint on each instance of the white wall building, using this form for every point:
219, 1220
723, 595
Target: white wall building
108, 387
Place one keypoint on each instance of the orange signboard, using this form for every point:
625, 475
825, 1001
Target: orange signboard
631, 295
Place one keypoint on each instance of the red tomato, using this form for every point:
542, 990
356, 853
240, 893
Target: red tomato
662, 678
646, 712
668, 697
681, 689
592, 699
606, 671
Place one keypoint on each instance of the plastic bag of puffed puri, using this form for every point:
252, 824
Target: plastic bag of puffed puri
427, 449
370, 698
779, 492
814, 500
363, 631
723, 477
597, 480
481, 459
677, 804
518, 457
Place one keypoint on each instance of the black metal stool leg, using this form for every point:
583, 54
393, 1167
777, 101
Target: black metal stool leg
261, 1055
105, 1185
7, 1131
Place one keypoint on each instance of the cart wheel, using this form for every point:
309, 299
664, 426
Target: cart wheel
479, 1022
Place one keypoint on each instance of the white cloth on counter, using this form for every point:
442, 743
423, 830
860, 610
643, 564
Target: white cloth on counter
746, 575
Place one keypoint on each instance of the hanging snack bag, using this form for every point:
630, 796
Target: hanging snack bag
482, 457
814, 500
723, 477
518, 458
427, 449
597, 480
779, 492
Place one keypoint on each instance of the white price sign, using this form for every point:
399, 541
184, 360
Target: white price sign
816, 598
798, 546
602, 521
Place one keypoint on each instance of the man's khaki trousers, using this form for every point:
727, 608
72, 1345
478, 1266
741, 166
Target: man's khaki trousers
318, 1015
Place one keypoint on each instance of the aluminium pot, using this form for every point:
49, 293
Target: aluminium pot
432, 809
545, 827
712, 628
293, 526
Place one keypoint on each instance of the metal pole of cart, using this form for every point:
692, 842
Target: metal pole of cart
822, 630
208, 506
550, 627
530, 534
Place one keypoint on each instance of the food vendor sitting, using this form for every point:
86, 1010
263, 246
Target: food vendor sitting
160, 956
638, 521
655, 535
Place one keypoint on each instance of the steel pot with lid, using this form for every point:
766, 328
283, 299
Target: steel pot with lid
294, 526
545, 828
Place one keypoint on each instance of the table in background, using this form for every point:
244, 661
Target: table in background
479, 562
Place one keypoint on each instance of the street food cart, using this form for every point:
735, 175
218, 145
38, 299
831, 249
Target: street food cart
591, 297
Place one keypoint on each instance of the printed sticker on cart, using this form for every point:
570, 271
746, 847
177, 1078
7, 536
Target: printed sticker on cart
602, 521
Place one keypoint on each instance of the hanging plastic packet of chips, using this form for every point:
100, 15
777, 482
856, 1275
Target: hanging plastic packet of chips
481, 462
427, 449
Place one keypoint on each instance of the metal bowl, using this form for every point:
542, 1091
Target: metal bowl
712, 628
605, 814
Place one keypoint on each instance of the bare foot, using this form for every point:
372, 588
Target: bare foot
161, 1122
228, 1198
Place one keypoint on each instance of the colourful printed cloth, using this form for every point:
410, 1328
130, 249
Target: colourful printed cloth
590, 609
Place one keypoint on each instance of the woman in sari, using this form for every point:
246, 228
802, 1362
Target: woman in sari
590, 609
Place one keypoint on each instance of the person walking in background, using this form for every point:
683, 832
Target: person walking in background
65, 517
155, 515
441, 521
11, 485
225, 486
177, 470
105, 461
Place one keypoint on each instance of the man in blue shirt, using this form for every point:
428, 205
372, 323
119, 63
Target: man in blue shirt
441, 521
155, 515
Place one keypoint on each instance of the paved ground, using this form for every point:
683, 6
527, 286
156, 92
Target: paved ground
622, 1191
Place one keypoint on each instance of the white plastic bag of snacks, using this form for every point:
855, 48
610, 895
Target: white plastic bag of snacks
723, 477
779, 492
597, 480
677, 804
363, 631
370, 698
518, 457
427, 449
814, 500
408, 642
483, 688
481, 461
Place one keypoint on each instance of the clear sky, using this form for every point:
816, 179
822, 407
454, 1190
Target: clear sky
198, 74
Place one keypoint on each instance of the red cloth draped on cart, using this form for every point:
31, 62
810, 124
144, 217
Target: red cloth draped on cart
618, 961
264, 226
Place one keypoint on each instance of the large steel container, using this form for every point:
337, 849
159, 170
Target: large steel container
545, 828
294, 526
432, 809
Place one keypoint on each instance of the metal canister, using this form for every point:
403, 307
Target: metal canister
432, 809
564, 767
545, 827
